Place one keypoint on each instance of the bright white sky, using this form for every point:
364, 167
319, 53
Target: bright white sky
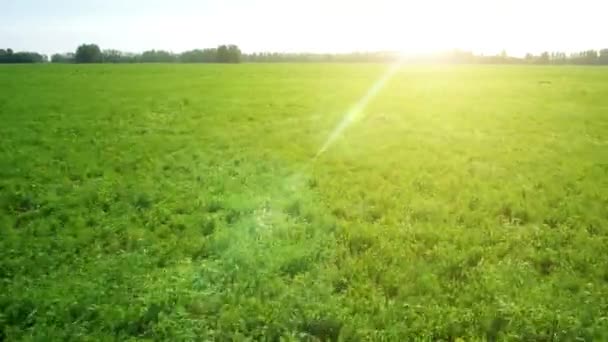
484, 26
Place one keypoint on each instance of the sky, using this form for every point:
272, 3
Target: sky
410, 26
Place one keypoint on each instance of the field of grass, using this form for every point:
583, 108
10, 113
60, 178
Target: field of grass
184, 202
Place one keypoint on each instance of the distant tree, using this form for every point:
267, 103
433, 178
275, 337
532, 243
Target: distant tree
222, 54
558, 58
234, 54
603, 58
8, 56
210, 55
591, 57
199, 56
127, 57
63, 58
228, 54
112, 56
117, 56
88, 53
157, 56
455, 56
193, 56
544, 58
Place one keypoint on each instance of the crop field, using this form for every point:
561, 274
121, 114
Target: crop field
303, 202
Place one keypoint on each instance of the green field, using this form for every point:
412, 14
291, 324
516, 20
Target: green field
185, 202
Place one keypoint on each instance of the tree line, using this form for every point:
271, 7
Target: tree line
8, 56
92, 53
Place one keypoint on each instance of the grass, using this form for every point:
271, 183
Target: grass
182, 202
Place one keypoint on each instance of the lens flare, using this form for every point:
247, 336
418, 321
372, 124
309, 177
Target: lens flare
358, 107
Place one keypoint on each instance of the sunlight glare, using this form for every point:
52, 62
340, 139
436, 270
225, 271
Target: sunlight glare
358, 108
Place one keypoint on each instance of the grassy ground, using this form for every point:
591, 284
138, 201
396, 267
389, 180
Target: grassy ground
182, 202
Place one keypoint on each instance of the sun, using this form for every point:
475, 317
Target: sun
413, 27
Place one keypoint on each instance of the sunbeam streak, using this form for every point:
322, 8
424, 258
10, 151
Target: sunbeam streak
358, 107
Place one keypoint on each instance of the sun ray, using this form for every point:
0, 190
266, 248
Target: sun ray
358, 108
